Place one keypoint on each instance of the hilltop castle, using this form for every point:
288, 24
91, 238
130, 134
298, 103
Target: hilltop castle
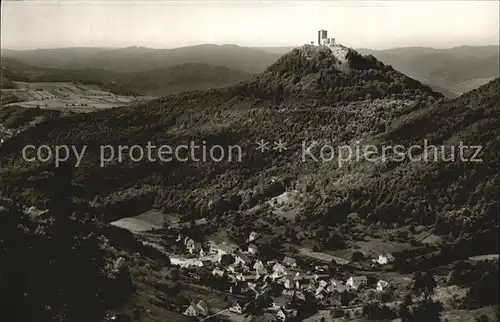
323, 38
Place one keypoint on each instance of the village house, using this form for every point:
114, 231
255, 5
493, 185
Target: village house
278, 271
384, 259
288, 282
299, 295
259, 268
279, 302
319, 294
253, 236
289, 262
236, 308
252, 286
202, 307
281, 315
217, 272
220, 249
300, 281
311, 288
381, 285
291, 281
356, 281
240, 260
336, 286
252, 249
191, 310
320, 269
322, 283
199, 309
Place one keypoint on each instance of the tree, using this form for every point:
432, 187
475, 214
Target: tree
357, 256
428, 311
407, 299
482, 318
404, 313
424, 284
57, 266
345, 298
308, 307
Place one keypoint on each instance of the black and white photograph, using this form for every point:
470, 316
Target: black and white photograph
249, 160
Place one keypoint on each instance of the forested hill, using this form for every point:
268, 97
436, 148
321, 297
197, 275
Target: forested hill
335, 74
456, 193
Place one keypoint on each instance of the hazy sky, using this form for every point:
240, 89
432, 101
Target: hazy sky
167, 24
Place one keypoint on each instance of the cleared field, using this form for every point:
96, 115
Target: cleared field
69, 96
327, 258
149, 220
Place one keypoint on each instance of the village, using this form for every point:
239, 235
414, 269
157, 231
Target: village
277, 288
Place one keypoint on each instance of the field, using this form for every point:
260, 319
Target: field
69, 96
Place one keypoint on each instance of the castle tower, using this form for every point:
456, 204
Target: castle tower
322, 34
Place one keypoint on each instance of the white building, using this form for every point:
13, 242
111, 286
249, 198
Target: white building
253, 236
278, 271
336, 286
236, 308
252, 249
217, 272
381, 285
191, 311
259, 268
202, 307
289, 261
281, 315
384, 259
356, 281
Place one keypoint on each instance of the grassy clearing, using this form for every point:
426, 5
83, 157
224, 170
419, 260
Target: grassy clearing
69, 96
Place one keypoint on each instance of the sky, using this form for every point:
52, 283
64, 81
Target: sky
33, 24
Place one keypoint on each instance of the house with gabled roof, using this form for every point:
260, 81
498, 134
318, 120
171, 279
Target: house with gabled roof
300, 296
322, 283
281, 315
202, 308
236, 308
191, 310
311, 288
252, 249
252, 236
217, 272
319, 294
357, 281
259, 268
198, 309
288, 283
384, 259
289, 262
252, 286
382, 285
278, 271
336, 286
240, 260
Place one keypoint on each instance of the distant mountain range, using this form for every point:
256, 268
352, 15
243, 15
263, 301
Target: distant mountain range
134, 59
450, 71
